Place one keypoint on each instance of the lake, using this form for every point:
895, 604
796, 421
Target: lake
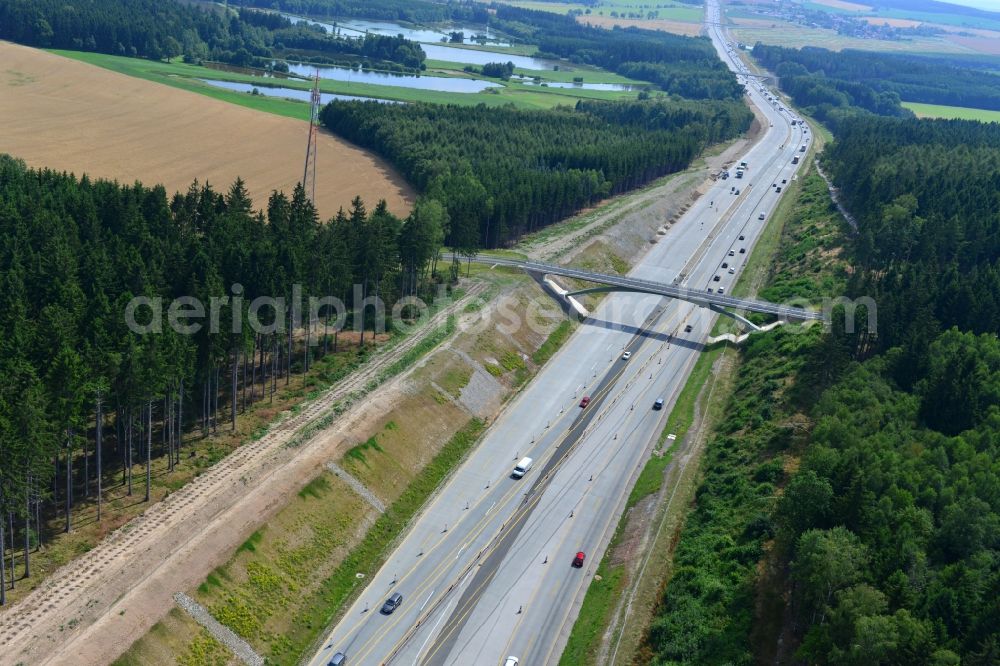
291, 93
439, 83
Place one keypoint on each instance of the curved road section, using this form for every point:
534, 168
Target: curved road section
486, 570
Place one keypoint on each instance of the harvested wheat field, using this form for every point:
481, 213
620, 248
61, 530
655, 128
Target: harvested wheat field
70, 116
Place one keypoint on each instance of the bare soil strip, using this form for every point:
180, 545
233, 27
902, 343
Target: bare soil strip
70, 116
91, 610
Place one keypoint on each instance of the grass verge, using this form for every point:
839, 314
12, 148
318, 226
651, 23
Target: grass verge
552, 343
369, 555
188, 77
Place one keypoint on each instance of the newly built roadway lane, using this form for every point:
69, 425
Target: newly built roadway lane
485, 571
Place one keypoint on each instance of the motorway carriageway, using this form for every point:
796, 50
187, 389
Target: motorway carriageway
485, 569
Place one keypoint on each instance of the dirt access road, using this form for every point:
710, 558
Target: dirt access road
92, 609
70, 116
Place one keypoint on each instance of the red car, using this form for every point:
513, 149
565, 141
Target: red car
578, 560
585, 401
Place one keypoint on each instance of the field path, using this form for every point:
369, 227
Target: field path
92, 609
70, 116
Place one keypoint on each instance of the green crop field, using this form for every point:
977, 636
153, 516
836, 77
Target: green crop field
669, 11
781, 33
952, 112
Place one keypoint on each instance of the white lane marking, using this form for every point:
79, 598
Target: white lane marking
431, 635
428, 599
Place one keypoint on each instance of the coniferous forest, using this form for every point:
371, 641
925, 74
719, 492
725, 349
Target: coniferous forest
928, 210
503, 172
157, 30
876, 82
685, 66
850, 509
75, 253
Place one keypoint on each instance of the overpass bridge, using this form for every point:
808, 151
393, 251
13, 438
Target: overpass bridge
725, 305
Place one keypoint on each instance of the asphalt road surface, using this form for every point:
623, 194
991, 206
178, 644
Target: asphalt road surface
485, 571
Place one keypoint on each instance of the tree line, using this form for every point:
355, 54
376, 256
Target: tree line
685, 66
893, 518
503, 172
879, 545
413, 11
159, 29
890, 524
925, 196
873, 80
84, 395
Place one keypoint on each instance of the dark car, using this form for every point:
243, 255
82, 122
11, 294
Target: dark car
687, 329
725, 264
585, 401
578, 560
339, 659
742, 237
743, 250
392, 603
658, 404
715, 279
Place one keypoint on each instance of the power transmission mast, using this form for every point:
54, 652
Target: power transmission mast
309, 173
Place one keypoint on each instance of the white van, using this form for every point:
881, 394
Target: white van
521, 468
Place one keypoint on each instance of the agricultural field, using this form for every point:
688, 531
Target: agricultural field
952, 112
783, 33
690, 29
67, 115
674, 17
841, 5
955, 32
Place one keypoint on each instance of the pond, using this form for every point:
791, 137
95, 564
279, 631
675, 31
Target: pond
439, 83
477, 57
356, 27
621, 87
290, 93
251, 71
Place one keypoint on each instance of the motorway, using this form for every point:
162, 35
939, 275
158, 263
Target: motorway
485, 569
